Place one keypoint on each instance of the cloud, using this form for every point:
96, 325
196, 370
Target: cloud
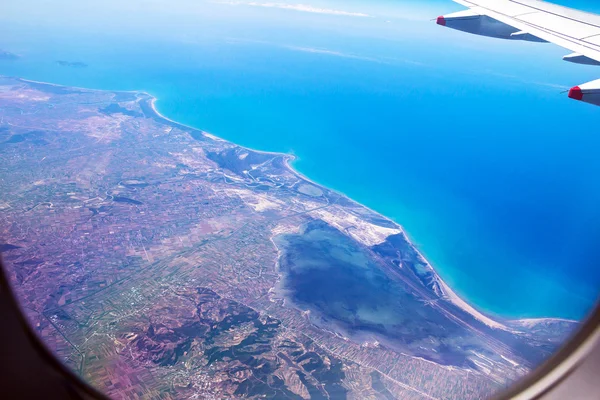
379, 60
331, 53
297, 7
327, 52
521, 79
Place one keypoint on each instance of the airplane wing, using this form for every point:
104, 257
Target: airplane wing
536, 21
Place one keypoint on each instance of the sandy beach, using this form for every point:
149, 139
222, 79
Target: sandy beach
447, 293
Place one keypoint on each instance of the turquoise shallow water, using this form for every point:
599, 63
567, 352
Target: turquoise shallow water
466, 143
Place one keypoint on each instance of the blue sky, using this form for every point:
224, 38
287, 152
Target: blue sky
355, 23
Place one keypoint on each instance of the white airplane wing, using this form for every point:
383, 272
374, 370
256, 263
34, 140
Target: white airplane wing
536, 21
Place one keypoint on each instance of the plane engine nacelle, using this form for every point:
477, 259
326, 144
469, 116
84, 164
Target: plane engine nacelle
472, 22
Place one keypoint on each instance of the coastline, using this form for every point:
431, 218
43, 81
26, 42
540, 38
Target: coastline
447, 293
73, 87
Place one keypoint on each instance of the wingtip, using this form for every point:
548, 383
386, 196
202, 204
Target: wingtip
576, 93
441, 21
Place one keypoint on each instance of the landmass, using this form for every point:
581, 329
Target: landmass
7, 55
159, 261
73, 64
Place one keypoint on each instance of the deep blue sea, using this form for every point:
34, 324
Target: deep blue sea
465, 141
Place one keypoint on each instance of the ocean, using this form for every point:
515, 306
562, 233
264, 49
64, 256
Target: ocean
466, 142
